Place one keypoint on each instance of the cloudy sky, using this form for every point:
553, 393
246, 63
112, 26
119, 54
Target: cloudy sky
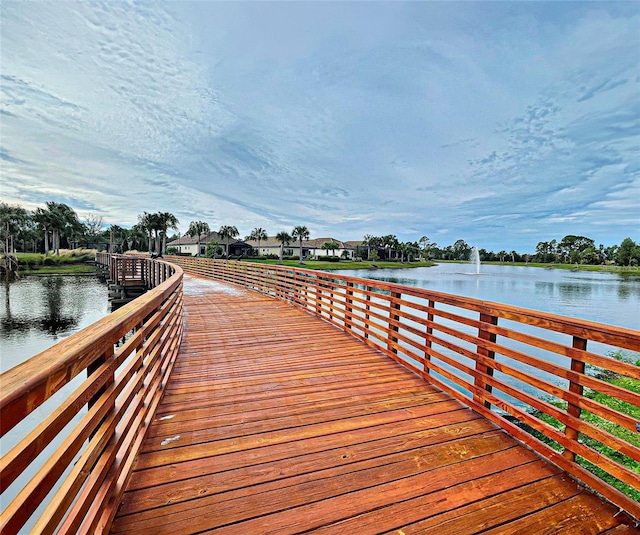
501, 123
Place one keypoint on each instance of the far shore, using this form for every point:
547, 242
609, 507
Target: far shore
83, 268
364, 264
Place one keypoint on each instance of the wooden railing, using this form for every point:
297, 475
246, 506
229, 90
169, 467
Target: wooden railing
542, 377
129, 270
80, 410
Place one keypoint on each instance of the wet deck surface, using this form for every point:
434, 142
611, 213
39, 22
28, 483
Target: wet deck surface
276, 422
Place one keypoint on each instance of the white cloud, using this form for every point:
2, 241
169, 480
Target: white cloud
476, 122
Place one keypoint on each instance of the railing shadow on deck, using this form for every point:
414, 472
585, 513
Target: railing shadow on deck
539, 376
90, 432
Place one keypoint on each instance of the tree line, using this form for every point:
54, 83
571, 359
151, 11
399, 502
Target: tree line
58, 226
571, 249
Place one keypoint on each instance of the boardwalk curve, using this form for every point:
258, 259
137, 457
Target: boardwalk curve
274, 421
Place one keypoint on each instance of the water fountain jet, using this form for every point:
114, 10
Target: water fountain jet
475, 259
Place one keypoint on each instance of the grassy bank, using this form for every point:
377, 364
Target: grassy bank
342, 264
62, 269
627, 383
67, 262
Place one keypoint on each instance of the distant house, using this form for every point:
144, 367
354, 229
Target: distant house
270, 246
310, 248
357, 247
314, 248
187, 245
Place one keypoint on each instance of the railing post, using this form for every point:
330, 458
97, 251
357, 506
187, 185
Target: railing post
331, 300
394, 305
577, 366
427, 341
367, 307
318, 294
348, 318
296, 290
276, 284
484, 334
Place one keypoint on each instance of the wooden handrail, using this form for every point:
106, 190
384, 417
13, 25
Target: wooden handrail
95, 430
510, 364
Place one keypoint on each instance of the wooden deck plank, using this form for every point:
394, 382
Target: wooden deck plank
276, 422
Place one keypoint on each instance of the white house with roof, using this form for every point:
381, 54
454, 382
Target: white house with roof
310, 248
188, 245
316, 248
271, 246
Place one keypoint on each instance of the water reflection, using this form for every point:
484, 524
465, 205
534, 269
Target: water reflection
39, 311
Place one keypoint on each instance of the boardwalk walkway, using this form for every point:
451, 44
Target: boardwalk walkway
276, 422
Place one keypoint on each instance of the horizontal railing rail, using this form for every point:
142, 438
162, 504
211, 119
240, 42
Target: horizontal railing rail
560, 385
80, 409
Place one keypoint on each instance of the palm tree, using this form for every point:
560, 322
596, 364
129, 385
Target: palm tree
136, 237
117, 238
284, 239
390, 243
368, 242
145, 223
13, 220
426, 244
330, 246
62, 221
300, 233
156, 227
197, 228
166, 221
258, 234
43, 219
227, 232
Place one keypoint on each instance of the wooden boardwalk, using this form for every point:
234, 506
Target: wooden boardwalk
276, 422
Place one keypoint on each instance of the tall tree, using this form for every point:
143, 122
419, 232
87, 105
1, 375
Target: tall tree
284, 238
146, 223
197, 228
94, 224
572, 246
227, 232
13, 220
117, 239
136, 237
258, 234
627, 252
300, 233
62, 221
42, 219
426, 246
156, 227
390, 243
330, 246
367, 243
461, 250
166, 221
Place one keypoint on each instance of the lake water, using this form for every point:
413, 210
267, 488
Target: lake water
37, 312
603, 297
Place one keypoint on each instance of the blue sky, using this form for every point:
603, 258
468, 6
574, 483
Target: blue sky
501, 123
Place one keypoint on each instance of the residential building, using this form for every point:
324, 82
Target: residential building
188, 245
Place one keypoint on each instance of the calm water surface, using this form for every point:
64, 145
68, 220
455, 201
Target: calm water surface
37, 312
604, 297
